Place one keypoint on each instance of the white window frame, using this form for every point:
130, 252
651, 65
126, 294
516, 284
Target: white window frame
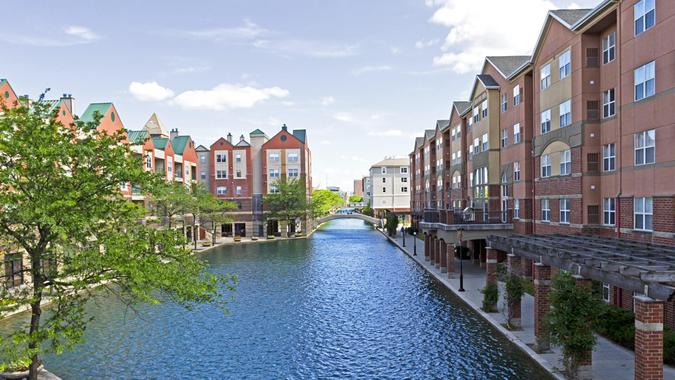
565, 211
273, 157
504, 102
644, 79
505, 137
293, 157
484, 109
221, 157
404, 169
545, 166
545, 210
516, 171
516, 133
609, 48
221, 174
383, 170
486, 141
221, 190
545, 74
565, 64
609, 157
293, 173
565, 113
274, 173
643, 211
237, 157
608, 103
237, 190
609, 211
644, 143
545, 122
566, 162
606, 292
516, 209
516, 95
641, 10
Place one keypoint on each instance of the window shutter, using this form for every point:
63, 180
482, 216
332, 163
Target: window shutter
594, 214
593, 162
593, 110
592, 57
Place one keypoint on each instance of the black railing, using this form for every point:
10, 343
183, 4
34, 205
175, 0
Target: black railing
472, 216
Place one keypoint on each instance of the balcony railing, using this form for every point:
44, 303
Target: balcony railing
474, 216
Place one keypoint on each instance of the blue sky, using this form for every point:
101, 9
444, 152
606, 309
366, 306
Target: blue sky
363, 77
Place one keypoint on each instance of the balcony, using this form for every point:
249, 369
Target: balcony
473, 219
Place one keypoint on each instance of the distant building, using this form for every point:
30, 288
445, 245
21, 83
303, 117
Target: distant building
390, 187
358, 187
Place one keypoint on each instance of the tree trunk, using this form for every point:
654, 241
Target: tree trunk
36, 311
213, 235
194, 229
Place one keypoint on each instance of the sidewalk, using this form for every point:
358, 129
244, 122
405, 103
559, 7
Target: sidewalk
610, 361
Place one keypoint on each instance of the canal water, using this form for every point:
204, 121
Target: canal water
343, 304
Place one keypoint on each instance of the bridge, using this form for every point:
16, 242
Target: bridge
365, 218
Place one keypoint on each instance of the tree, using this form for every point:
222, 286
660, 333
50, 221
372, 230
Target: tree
289, 202
391, 223
212, 209
355, 199
514, 293
170, 199
574, 310
61, 208
325, 201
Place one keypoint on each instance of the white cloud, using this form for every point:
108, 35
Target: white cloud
149, 91
344, 117
371, 69
226, 96
386, 133
327, 100
469, 41
425, 44
314, 49
81, 32
248, 31
395, 50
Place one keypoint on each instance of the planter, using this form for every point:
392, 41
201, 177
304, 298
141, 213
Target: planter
270, 237
237, 239
254, 238
18, 375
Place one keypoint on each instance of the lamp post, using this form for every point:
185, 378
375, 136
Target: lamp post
414, 243
403, 231
461, 260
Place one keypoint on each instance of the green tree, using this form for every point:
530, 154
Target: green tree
211, 209
325, 201
391, 223
169, 200
355, 199
515, 289
574, 310
289, 202
61, 207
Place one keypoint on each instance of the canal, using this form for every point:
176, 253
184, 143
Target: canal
343, 304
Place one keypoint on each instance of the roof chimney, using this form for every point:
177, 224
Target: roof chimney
173, 133
241, 138
67, 99
229, 138
284, 127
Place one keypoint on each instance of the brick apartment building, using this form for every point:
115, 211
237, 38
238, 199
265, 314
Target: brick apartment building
244, 171
574, 140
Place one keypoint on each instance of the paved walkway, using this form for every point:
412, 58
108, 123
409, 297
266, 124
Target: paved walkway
610, 361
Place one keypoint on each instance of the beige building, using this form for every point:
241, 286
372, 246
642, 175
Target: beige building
390, 186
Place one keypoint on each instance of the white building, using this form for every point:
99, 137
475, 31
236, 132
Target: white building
390, 186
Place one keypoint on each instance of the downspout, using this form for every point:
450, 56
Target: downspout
619, 114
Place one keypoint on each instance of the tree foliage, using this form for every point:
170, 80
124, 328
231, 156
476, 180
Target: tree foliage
289, 202
325, 201
573, 314
61, 206
355, 199
391, 223
515, 289
490, 297
211, 209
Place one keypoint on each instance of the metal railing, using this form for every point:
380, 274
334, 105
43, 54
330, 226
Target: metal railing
472, 216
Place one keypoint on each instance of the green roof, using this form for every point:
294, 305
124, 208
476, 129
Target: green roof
160, 142
88, 114
257, 132
137, 137
2, 81
179, 143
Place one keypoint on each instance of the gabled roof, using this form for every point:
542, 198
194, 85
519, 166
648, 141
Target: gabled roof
179, 143
53, 103
258, 132
137, 137
300, 134
488, 81
160, 142
569, 17
155, 126
419, 142
442, 124
243, 143
461, 106
508, 65
392, 162
429, 133
202, 148
101, 108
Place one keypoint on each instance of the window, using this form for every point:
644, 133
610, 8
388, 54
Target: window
404, 189
384, 180
645, 79
293, 173
202, 159
565, 113
238, 190
505, 137
123, 186
564, 63
545, 121
516, 133
645, 148
274, 173
608, 48
545, 210
609, 157
476, 116
221, 174
545, 73
516, 95
274, 189
384, 170
565, 162
221, 190
484, 109
293, 157
404, 170
505, 102
203, 176
274, 156
516, 209
384, 189
516, 171
643, 213
237, 174
608, 103
608, 211
606, 291
221, 157
545, 166
404, 179
169, 165
485, 142
148, 161
13, 270
644, 15
565, 211
237, 157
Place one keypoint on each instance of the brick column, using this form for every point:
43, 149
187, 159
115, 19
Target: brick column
514, 310
427, 248
585, 361
648, 338
482, 254
542, 304
526, 268
437, 263
450, 258
432, 250
491, 266
444, 256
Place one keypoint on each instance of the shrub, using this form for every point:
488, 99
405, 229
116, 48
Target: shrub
514, 292
616, 324
490, 297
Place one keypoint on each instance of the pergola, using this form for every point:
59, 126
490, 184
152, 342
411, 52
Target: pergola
645, 268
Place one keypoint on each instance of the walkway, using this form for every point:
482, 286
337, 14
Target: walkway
610, 361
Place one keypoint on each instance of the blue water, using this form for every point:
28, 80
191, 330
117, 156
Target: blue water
342, 304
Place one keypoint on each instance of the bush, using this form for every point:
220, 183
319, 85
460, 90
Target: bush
616, 324
490, 297
669, 346
514, 293
391, 224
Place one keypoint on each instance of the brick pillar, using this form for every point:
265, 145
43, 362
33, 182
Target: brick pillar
432, 250
542, 304
491, 266
514, 310
482, 254
648, 338
437, 263
526, 268
444, 256
450, 254
585, 361
427, 247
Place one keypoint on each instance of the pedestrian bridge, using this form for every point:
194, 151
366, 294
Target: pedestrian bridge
365, 218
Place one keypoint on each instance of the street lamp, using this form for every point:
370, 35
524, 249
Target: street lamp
403, 231
460, 231
414, 243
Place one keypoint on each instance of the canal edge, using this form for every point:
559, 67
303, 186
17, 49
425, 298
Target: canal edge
543, 363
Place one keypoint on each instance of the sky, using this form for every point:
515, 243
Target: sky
363, 77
